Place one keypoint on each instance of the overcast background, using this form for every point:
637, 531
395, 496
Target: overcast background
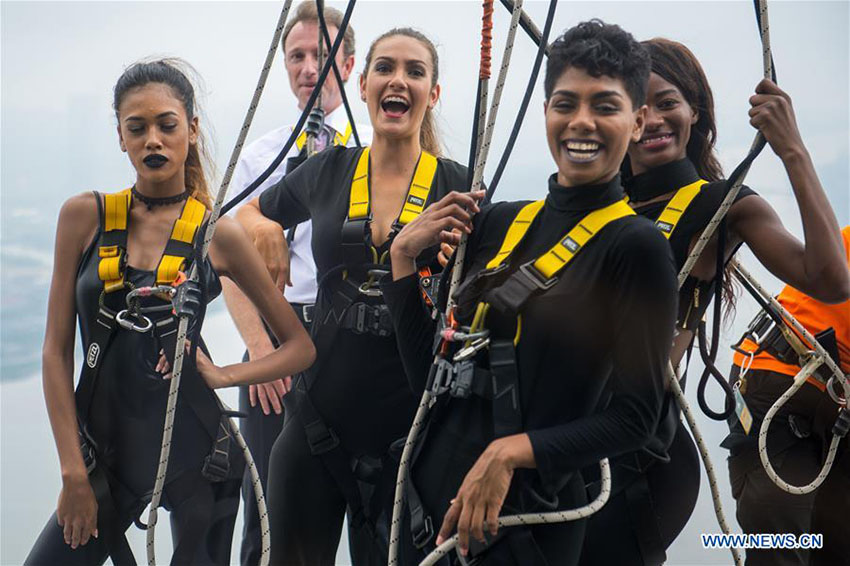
60, 62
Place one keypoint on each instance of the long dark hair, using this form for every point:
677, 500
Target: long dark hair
170, 72
677, 65
428, 137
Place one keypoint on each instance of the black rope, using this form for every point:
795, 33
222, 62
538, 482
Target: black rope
709, 354
307, 107
324, 27
542, 47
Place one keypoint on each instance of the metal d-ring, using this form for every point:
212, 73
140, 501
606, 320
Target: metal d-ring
122, 320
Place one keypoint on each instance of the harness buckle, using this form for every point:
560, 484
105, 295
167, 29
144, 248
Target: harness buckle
215, 471
536, 277
321, 438
423, 536
461, 385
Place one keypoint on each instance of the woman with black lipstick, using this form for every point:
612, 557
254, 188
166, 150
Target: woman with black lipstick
673, 166
108, 435
579, 312
354, 402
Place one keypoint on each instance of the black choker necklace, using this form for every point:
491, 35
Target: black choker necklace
159, 201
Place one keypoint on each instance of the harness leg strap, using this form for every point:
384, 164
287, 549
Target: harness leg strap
507, 417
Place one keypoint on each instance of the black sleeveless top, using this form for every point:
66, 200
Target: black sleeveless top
127, 410
695, 294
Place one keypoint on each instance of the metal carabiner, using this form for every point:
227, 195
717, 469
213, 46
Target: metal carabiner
122, 320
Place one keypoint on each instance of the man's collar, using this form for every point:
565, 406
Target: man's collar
337, 119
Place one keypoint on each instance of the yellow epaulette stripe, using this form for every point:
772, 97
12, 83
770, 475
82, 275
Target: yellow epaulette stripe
301, 140
672, 213
417, 195
553, 261
358, 203
342, 139
516, 232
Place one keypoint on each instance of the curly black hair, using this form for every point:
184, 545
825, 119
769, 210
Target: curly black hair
600, 49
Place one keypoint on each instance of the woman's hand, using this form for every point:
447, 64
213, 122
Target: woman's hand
773, 115
443, 221
76, 511
214, 376
483, 492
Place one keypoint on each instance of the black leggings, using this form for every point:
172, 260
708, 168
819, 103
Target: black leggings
192, 506
612, 533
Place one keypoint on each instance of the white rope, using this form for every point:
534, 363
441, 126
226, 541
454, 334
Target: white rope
539, 518
402, 476
704, 238
673, 380
799, 380
483, 144
482, 147
729, 200
177, 369
811, 341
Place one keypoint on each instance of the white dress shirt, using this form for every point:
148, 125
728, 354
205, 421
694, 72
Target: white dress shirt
255, 158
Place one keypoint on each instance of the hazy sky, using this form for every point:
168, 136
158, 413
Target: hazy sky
60, 60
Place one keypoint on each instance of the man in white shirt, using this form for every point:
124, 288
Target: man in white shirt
263, 402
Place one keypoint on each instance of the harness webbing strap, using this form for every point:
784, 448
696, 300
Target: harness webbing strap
116, 207
179, 246
414, 203
553, 261
516, 232
672, 213
358, 202
417, 194
112, 252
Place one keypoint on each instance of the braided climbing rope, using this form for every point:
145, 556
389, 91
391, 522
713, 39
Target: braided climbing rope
218, 209
818, 356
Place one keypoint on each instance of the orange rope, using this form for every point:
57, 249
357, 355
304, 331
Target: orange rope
486, 40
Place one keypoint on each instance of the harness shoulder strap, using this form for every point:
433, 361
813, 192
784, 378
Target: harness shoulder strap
672, 213
516, 232
180, 245
556, 259
542, 273
420, 187
113, 247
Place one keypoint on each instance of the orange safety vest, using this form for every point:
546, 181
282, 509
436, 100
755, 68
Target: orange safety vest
815, 317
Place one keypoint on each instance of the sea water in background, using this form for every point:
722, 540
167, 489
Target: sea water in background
60, 61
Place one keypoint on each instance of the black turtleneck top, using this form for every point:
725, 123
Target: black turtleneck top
592, 351
666, 179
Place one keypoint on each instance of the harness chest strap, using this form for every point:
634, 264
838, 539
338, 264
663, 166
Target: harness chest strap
542, 273
113, 250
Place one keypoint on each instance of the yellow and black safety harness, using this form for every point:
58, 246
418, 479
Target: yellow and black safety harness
354, 306
179, 297
497, 380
